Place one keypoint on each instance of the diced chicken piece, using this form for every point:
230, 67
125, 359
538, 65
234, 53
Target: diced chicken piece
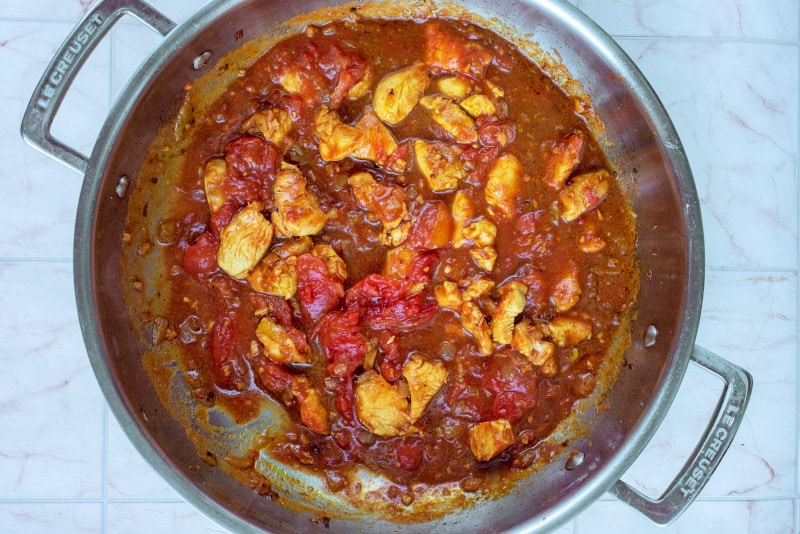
569, 331
528, 339
474, 322
485, 257
425, 378
293, 247
490, 438
313, 413
583, 194
440, 164
362, 87
448, 295
454, 120
292, 81
273, 124
445, 51
512, 302
335, 264
482, 233
381, 406
275, 276
244, 241
298, 211
477, 105
589, 242
397, 94
462, 210
495, 89
503, 186
278, 345
398, 260
563, 156
454, 87
478, 288
388, 203
368, 139
567, 291
213, 178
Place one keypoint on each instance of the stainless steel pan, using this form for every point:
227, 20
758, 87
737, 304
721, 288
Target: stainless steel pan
643, 145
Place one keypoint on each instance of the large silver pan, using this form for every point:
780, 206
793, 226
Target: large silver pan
642, 144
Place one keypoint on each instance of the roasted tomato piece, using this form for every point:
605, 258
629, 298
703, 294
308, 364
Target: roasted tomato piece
432, 226
252, 163
410, 452
339, 334
319, 292
201, 256
226, 338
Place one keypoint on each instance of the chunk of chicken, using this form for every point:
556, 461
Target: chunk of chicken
368, 139
381, 406
213, 178
473, 321
448, 295
363, 86
313, 413
589, 240
449, 115
495, 89
504, 183
335, 264
454, 87
512, 302
273, 124
462, 210
528, 339
568, 331
583, 194
440, 164
244, 241
425, 378
448, 52
567, 291
562, 157
387, 202
298, 211
478, 104
398, 260
482, 233
490, 438
397, 94
275, 276
478, 288
278, 345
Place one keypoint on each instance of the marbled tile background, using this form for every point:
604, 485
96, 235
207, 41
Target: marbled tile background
727, 72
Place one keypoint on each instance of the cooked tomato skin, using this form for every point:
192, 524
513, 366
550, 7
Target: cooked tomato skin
200, 257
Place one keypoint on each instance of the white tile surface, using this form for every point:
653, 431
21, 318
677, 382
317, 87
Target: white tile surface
727, 72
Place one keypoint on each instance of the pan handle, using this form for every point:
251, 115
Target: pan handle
715, 441
46, 99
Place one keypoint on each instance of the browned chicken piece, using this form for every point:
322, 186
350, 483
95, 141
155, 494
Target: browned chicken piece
583, 194
440, 164
562, 157
475, 289
312, 410
368, 139
568, 331
478, 104
454, 87
273, 124
449, 115
298, 212
387, 202
448, 295
448, 52
363, 86
482, 233
381, 406
397, 94
398, 260
512, 302
278, 346
490, 438
590, 241
473, 321
504, 183
213, 178
275, 276
462, 210
335, 264
567, 291
425, 378
244, 241
529, 340
495, 89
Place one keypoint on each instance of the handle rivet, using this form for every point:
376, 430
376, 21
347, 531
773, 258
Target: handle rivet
575, 460
122, 186
202, 60
650, 336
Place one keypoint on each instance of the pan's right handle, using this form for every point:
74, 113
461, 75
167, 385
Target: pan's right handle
716, 440
66, 64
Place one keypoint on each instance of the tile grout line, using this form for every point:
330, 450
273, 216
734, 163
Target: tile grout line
797, 294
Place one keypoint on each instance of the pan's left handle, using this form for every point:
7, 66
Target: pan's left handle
73, 53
